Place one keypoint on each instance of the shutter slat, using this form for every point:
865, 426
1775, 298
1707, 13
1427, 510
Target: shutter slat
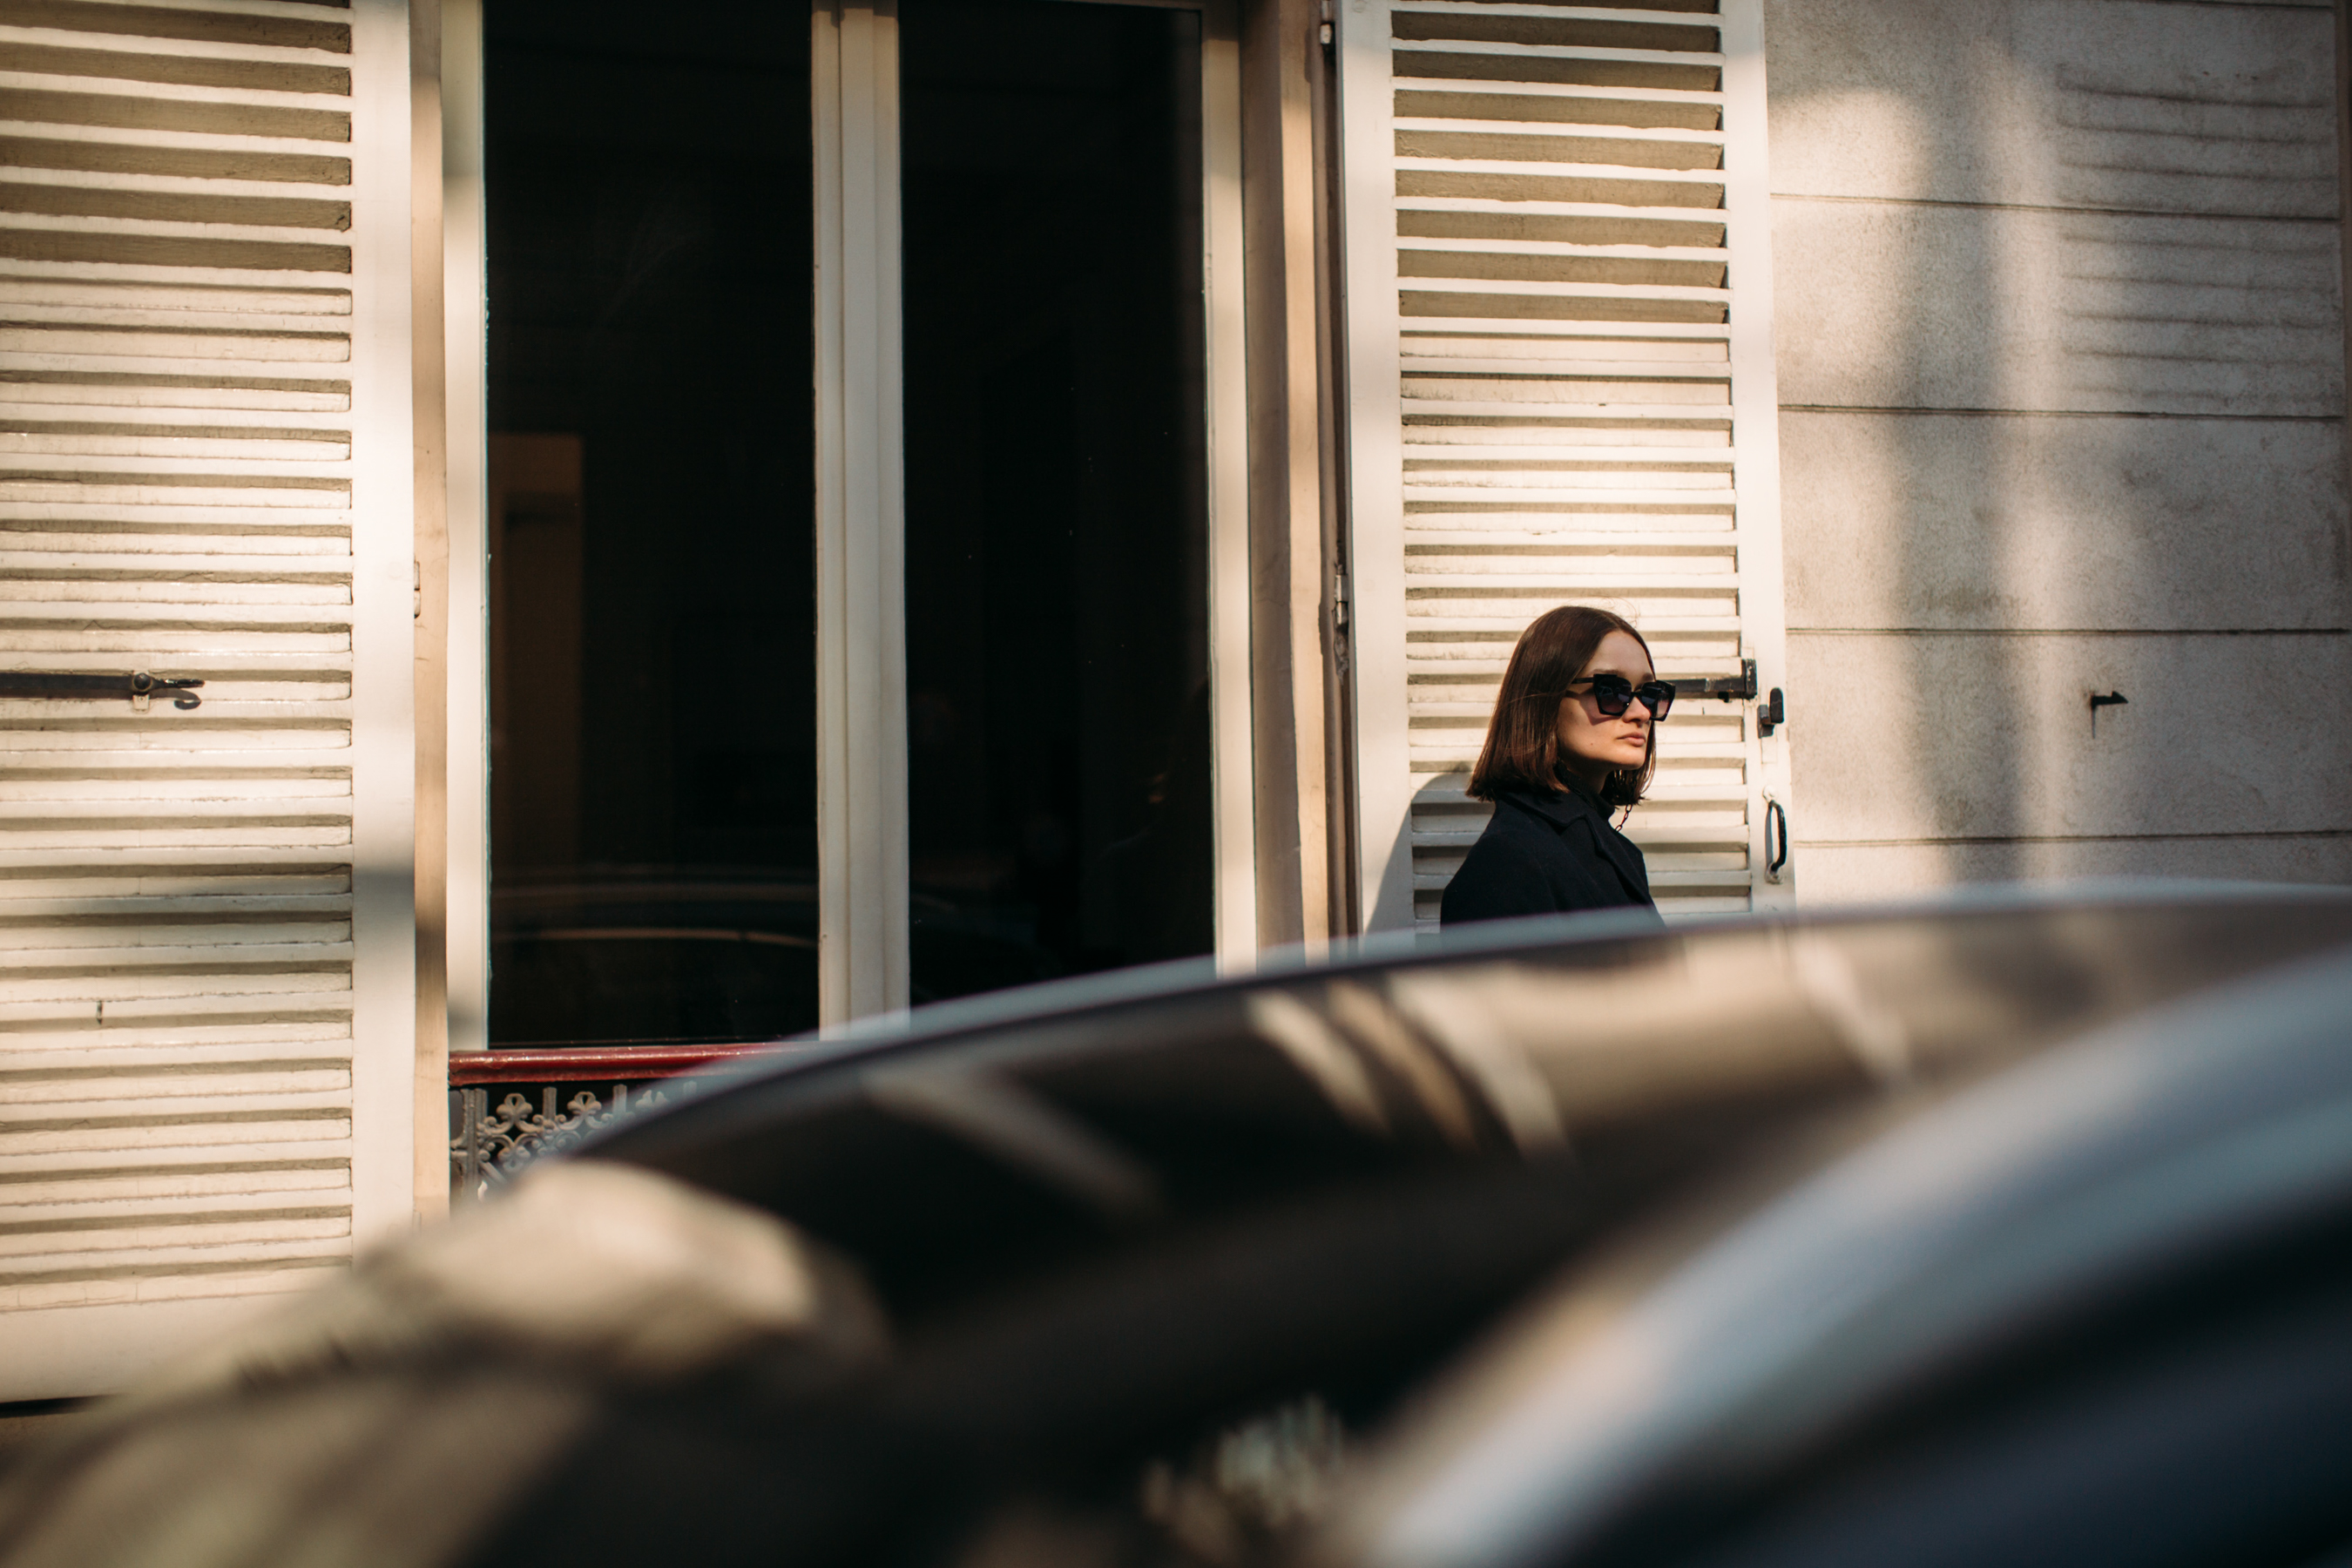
181, 1130
227, 1181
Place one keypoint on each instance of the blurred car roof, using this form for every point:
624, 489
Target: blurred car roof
2096, 1309
1104, 1227
981, 1141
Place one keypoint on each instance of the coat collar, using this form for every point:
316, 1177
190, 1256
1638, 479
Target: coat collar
1560, 807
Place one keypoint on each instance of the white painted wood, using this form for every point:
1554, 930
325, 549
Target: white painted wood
1375, 438
860, 516
1558, 293
464, 293
1232, 768
1756, 415
206, 469
102, 1346
384, 847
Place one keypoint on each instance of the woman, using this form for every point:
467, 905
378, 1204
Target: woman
1573, 738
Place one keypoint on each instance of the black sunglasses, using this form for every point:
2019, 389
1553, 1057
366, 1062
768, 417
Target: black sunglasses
1612, 694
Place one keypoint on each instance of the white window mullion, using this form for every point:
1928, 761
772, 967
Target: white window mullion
1234, 772
860, 516
465, 356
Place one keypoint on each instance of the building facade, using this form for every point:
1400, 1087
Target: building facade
832, 511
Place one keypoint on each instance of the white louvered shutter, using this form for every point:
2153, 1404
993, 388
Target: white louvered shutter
206, 1017
1557, 296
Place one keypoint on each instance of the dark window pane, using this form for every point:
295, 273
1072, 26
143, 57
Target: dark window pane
652, 617
1056, 538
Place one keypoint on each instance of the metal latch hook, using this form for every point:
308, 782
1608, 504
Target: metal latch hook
138, 687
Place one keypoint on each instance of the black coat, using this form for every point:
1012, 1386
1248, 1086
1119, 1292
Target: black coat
1547, 853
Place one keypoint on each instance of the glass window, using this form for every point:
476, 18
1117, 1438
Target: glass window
1057, 503
653, 631
653, 619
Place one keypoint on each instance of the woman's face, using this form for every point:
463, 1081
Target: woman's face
1592, 746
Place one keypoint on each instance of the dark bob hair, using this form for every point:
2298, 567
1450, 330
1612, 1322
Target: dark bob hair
1522, 750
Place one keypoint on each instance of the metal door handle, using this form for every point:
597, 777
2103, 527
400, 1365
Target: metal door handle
135, 688
1775, 815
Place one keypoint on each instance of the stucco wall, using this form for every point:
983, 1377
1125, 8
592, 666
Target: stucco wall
2061, 357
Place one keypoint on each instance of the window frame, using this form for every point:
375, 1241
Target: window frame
860, 523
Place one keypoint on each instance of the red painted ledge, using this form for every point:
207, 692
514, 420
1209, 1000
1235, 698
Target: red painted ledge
588, 1063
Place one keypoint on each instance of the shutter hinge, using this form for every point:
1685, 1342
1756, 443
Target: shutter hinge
1339, 600
1771, 708
416, 601
1323, 29
1740, 688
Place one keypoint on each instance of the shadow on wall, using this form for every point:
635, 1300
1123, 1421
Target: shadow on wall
2062, 366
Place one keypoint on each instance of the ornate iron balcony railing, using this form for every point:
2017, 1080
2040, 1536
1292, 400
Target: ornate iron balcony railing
490, 1144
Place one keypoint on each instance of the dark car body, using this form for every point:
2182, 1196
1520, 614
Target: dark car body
2094, 1309
1170, 1269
